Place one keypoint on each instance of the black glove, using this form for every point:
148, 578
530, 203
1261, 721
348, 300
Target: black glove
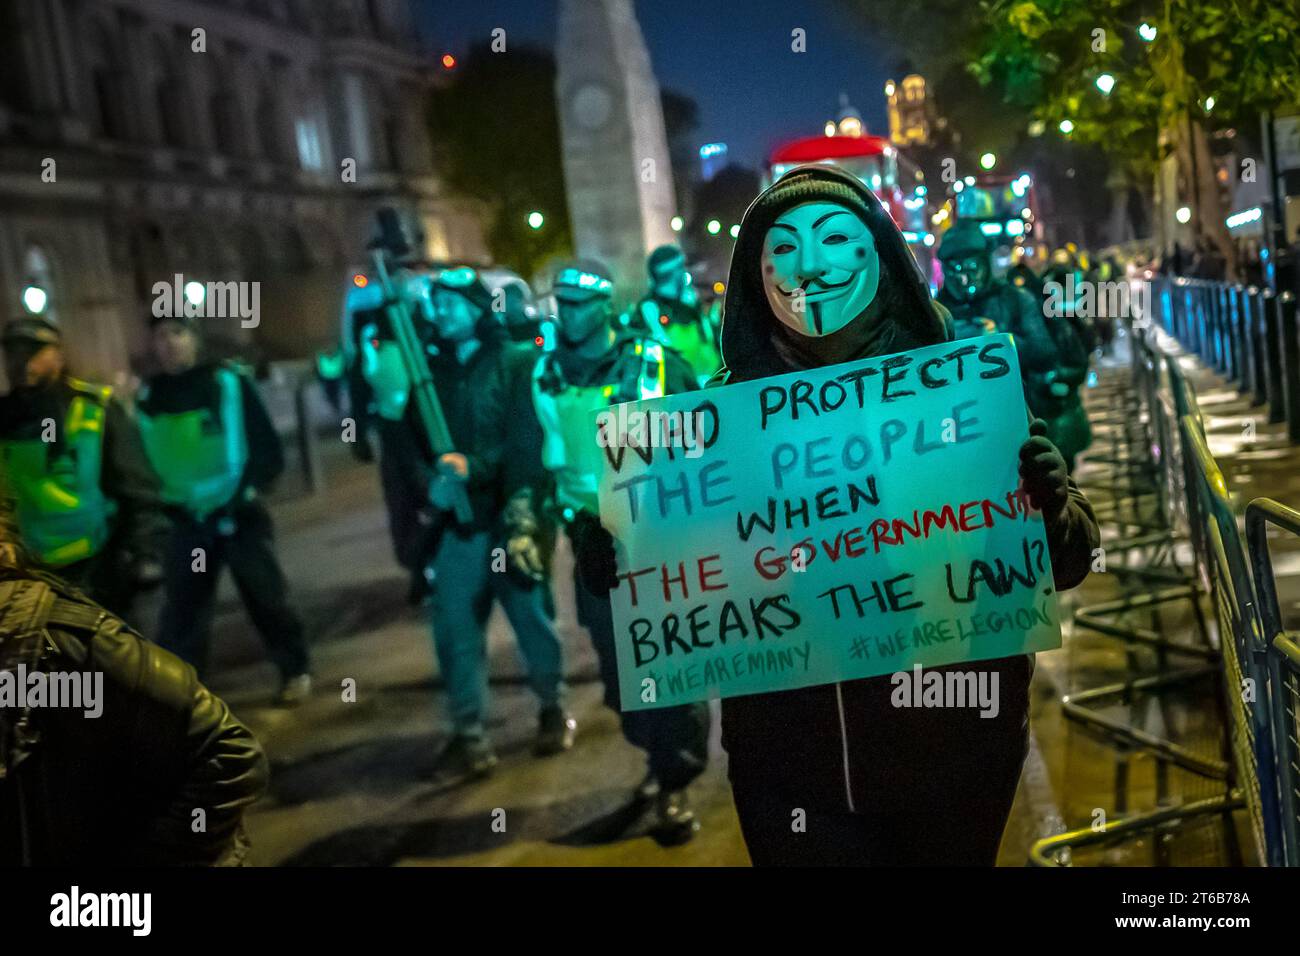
147, 572
1043, 472
362, 450
593, 551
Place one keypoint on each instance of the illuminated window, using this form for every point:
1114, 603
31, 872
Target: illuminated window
309, 149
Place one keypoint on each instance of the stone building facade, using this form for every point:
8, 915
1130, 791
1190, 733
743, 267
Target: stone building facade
141, 139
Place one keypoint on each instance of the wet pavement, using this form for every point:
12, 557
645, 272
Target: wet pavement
353, 782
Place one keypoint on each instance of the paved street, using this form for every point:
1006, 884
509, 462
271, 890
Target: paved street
352, 782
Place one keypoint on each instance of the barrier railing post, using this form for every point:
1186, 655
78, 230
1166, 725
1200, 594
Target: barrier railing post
1289, 347
1245, 356
308, 452
1214, 313
1206, 328
1273, 351
1258, 344
1282, 666
1228, 298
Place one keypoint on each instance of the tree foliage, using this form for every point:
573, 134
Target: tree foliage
496, 136
1211, 62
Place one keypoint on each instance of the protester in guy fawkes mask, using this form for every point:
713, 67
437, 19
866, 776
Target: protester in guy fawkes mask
472, 375
879, 785
87, 499
116, 782
979, 302
594, 366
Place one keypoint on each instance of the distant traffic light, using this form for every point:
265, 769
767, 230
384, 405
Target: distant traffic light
448, 61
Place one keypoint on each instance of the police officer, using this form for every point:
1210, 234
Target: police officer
470, 372
1021, 274
594, 366
379, 391
87, 500
671, 313
967, 280
212, 442
979, 302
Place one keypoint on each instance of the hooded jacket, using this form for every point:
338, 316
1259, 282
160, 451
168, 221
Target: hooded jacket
844, 747
755, 344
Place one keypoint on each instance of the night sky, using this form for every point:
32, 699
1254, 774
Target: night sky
732, 57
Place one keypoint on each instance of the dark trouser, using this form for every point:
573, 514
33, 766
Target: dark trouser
405, 500
185, 625
675, 739
963, 830
839, 775
465, 584
104, 581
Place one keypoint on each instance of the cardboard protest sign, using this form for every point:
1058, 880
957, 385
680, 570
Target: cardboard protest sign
825, 525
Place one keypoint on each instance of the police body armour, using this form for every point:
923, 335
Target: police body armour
200, 456
62, 511
567, 414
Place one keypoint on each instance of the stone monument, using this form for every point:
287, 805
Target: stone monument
616, 167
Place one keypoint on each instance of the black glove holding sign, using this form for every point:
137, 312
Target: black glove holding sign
593, 551
1043, 471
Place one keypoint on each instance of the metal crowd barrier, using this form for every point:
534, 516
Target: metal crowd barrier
1283, 665
1140, 541
1249, 336
1221, 559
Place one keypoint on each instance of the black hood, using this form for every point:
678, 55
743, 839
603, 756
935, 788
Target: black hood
750, 330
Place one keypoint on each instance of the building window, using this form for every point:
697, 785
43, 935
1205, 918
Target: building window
377, 23
169, 114
108, 119
268, 127
392, 132
309, 149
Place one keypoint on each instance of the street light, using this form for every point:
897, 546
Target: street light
714, 227
1209, 103
677, 223
1147, 31
1066, 127
195, 293
35, 299
988, 161
1183, 215
535, 220
1105, 83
